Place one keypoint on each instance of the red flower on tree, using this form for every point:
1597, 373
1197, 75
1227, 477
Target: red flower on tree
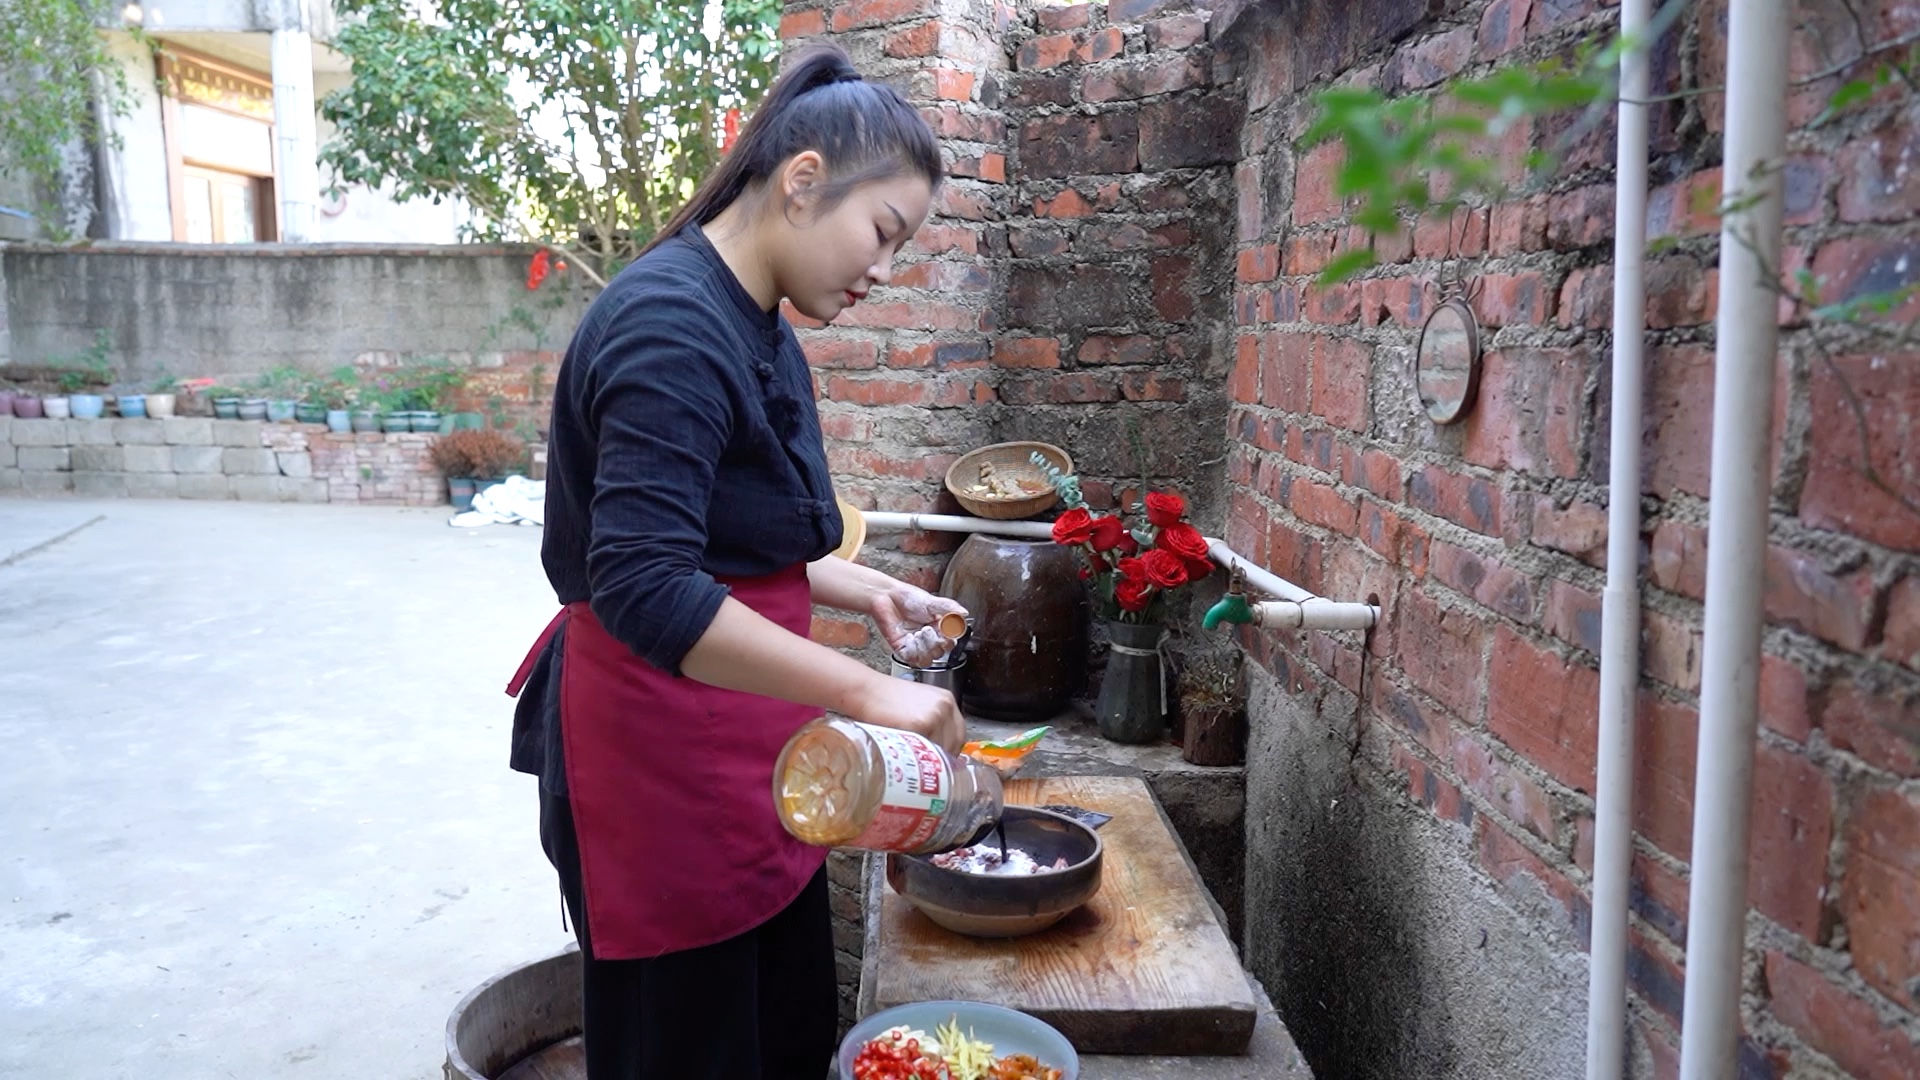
1185, 541
537, 271
1127, 581
1108, 532
1074, 527
1164, 569
1165, 510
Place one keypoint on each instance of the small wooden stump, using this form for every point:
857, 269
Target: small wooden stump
1216, 736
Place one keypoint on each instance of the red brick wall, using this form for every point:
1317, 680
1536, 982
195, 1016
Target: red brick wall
1486, 542
1131, 237
1072, 283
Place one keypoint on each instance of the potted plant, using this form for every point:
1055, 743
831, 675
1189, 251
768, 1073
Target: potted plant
426, 386
1132, 569
281, 388
163, 395
83, 406
454, 458
310, 404
1211, 727
369, 401
75, 376
226, 401
474, 460
336, 393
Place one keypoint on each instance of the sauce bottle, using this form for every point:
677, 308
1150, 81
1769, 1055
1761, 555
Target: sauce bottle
838, 783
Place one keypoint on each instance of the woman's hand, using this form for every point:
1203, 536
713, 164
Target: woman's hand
910, 706
906, 615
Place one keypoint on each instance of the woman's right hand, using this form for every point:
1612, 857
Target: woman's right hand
910, 706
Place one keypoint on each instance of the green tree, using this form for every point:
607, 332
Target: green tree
60, 86
578, 123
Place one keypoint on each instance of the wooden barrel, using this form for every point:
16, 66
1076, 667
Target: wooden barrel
1028, 655
522, 1024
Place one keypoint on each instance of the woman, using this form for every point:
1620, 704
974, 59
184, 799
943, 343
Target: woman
689, 518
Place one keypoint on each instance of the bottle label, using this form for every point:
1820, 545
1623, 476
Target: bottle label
919, 785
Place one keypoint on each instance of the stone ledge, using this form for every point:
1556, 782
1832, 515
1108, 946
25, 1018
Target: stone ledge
235, 461
39, 432
188, 431
148, 459
95, 485
197, 458
99, 459
205, 486
264, 251
45, 458
202, 458
35, 482
135, 432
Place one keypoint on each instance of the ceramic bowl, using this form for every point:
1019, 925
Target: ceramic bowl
995, 906
1010, 1032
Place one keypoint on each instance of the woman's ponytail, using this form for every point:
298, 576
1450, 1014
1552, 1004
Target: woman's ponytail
863, 132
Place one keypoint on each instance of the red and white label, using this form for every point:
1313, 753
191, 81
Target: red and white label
919, 786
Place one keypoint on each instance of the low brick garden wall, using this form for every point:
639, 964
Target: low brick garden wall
197, 458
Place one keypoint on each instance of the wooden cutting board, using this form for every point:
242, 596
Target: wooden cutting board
1145, 967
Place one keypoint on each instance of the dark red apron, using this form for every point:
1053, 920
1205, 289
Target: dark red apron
671, 784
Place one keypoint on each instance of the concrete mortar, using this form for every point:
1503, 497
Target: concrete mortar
259, 816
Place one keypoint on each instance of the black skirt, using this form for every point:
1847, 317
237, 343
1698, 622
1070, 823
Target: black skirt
760, 1006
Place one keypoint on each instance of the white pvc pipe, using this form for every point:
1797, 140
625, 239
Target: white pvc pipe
1255, 575
1296, 606
1620, 602
1743, 370
1027, 530
1315, 614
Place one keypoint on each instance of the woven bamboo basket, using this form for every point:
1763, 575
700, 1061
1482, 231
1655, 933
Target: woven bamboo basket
1014, 460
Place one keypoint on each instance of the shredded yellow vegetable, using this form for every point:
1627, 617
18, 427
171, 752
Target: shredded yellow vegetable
966, 1056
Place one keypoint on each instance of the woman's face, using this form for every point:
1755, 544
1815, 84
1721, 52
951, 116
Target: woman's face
828, 261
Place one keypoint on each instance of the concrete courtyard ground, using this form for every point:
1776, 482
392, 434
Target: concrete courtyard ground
257, 815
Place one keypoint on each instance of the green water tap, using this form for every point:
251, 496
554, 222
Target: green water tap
1232, 607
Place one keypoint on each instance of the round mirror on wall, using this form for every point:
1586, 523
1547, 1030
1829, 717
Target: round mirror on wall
1447, 367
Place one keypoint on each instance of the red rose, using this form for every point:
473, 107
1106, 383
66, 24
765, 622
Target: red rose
1074, 527
1185, 541
1097, 564
1165, 510
1128, 545
1133, 570
537, 270
1107, 532
1132, 594
1164, 568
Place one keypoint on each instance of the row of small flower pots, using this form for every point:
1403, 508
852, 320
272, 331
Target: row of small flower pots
82, 406
342, 421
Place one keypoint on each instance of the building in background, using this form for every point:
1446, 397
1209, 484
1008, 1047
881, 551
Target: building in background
222, 140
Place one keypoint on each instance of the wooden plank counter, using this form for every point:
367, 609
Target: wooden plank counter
1145, 967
